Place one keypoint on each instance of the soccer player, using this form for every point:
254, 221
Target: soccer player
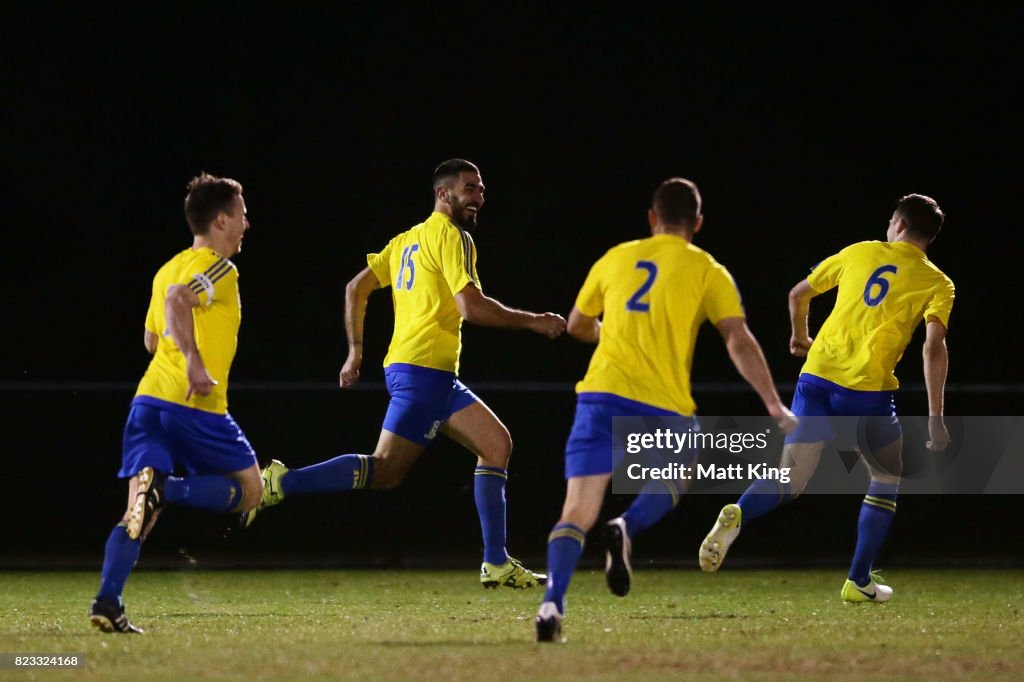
885, 290
653, 294
179, 417
431, 269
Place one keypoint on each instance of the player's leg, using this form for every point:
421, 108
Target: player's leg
583, 498
474, 426
884, 463
415, 411
221, 471
145, 454
761, 497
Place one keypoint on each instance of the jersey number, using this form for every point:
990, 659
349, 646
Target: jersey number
882, 283
407, 262
634, 303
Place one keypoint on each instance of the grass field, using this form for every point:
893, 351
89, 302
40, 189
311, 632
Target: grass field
389, 625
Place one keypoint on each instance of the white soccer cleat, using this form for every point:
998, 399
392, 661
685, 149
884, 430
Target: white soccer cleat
872, 592
721, 537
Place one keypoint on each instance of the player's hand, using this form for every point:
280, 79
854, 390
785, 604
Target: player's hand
784, 419
199, 380
798, 346
938, 436
350, 371
550, 325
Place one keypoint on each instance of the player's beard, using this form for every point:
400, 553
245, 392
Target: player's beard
462, 217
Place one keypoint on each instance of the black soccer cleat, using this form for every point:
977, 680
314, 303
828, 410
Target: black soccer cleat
549, 624
109, 617
617, 569
149, 497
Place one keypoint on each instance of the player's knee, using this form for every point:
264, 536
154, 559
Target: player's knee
386, 475
582, 516
499, 451
252, 493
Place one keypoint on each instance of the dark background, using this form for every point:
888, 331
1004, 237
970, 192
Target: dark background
802, 128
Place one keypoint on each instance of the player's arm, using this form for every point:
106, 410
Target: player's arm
745, 353
357, 294
178, 305
936, 367
150, 340
487, 312
583, 327
799, 303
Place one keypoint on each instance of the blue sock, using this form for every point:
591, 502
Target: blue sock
489, 493
656, 499
344, 472
761, 497
876, 513
565, 544
118, 560
212, 493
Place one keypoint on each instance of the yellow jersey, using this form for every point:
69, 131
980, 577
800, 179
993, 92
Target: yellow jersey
885, 290
426, 266
654, 294
215, 280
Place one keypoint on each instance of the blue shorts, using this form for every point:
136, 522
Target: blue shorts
589, 451
174, 438
873, 422
422, 399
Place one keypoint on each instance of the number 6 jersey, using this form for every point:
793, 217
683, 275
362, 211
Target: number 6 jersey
885, 290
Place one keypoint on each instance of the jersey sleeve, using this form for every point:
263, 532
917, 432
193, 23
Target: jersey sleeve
941, 303
825, 275
590, 300
457, 260
721, 297
216, 281
380, 264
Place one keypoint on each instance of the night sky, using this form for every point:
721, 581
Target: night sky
801, 128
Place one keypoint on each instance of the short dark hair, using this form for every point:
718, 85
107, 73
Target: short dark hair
677, 202
207, 197
451, 168
923, 215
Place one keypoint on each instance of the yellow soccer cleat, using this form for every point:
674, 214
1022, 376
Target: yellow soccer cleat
272, 493
510, 574
721, 537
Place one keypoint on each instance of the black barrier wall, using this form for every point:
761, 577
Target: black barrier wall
62, 452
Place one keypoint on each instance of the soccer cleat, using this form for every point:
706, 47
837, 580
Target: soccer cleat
872, 592
549, 623
109, 617
618, 548
272, 493
721, 537
510, 574
149, 497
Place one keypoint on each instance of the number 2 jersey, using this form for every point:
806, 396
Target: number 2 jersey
426, 266
215, 281
885, 290
653, 294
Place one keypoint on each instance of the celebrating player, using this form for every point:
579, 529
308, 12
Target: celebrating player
885, 290
432, 271
179, 417
653, 294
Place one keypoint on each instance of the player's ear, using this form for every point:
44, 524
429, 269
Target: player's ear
699, 223
441, 193
652, 218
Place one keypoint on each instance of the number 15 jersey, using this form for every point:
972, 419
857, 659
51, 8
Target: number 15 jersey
885, 290
426, 266
653, 294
